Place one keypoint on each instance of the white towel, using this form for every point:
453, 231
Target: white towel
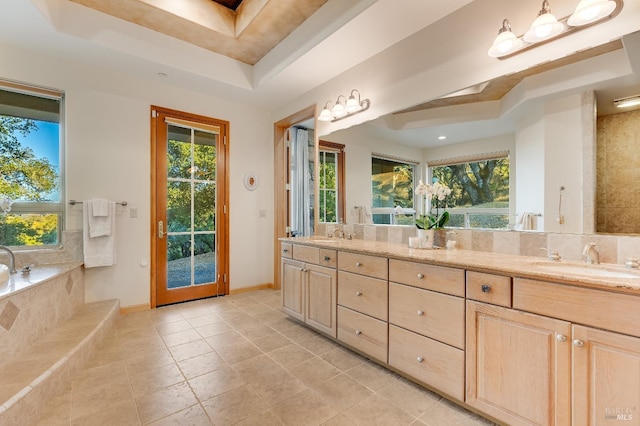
99, 251
101, 217
525, 221
100, 207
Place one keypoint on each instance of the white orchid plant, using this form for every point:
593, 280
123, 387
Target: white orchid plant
434, 197
5, 204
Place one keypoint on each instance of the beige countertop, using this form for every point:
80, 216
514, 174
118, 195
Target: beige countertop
540, 268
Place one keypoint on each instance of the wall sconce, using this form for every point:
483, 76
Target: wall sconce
547, 27
344, 107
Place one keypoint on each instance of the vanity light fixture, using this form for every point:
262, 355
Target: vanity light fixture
343, 107
627, 102
547, 27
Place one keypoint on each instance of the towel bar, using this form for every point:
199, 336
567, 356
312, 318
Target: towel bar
74, 202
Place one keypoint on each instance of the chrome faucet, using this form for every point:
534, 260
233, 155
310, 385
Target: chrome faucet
338, 233
590, 254
12, 259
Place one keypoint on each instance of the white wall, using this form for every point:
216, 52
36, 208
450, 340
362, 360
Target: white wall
563, 158
107, 125
530, 165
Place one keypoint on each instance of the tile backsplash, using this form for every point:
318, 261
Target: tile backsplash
612, 248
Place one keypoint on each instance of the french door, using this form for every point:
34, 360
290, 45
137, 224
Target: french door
189, 207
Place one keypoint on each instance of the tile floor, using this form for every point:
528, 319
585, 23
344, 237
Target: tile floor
238, 360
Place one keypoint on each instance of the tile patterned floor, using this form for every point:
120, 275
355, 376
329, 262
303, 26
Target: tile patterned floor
237, 360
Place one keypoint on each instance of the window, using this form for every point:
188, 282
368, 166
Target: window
331, 183
392, 183
30, 165
479, 190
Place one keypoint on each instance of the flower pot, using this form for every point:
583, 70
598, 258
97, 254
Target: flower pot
426, 237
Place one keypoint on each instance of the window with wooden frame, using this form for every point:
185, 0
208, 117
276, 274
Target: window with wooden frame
331, 205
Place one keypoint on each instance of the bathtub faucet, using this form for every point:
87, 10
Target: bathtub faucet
12, 259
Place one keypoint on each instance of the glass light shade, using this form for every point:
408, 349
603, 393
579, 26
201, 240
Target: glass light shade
627, 102
589, 11
352, 104
338, 110
505, 43
325, 115
544, 27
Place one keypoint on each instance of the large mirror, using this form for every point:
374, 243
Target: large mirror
570, 170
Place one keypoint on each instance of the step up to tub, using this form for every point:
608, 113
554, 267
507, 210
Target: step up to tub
46, 368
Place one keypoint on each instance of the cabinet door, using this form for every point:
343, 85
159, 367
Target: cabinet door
321, 302
292, 288
518, 365
606, 377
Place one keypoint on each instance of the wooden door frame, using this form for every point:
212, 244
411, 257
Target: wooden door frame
222, 268
280, 180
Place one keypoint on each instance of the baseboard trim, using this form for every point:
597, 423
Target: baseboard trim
252, 288
134, 308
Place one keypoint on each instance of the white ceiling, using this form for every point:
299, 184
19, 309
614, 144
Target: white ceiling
324, 46
338, 37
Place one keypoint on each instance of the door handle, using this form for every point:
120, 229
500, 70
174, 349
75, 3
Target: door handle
161, 234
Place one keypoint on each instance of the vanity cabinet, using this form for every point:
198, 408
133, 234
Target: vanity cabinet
427, 327
605, 347
309, 290
518, 365
363, 303
567, 360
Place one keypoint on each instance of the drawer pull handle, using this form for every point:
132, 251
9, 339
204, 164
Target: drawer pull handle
579, 343
358, 264
420, 359
327, 258
486, 288
358, 293
285, 250
420, 313
420, 276
358, 332
561, 338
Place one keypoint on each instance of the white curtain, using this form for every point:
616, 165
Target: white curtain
301, 183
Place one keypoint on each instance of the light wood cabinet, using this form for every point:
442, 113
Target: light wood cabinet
363, 294
435, 315
309, 294
292, 288
518, 365
429, 361
364, 333
606, 377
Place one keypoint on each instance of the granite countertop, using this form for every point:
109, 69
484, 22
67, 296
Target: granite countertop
604, 276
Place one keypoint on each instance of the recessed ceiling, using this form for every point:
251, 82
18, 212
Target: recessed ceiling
246, 34
229, 4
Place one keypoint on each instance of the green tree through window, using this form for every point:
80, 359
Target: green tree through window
29, 169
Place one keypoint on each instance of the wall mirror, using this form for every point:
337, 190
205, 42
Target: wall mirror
544, 118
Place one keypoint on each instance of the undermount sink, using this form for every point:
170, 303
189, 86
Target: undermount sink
4, 274
597, 271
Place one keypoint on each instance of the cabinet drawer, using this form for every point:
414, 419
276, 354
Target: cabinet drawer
601, 309
366, 334
328, 258
432, 314
489, 288
363, 294
306, 254
372, 266
428, 361
286, 250
437, 278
